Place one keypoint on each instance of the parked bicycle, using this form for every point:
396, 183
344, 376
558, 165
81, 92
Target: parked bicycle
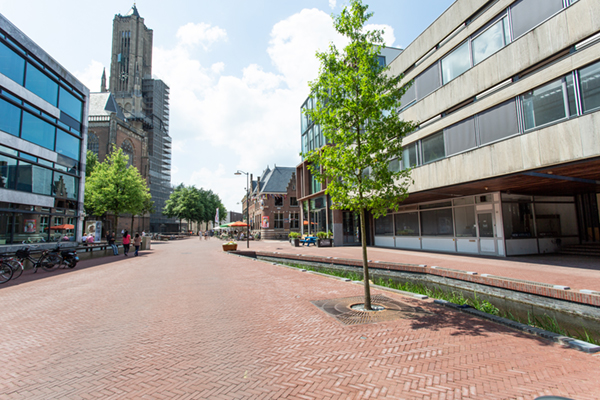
67, 258
15, 264
46, 260
6, 271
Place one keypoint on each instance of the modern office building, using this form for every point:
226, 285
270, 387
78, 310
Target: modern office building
43, 133
506, 160
145, 104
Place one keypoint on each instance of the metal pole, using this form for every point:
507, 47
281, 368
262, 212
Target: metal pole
248, 213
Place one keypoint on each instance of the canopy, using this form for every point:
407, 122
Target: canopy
238, 223
63, 226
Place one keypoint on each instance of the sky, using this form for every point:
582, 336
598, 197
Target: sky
238, 70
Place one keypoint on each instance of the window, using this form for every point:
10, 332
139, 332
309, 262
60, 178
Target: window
93, 144
407, 224
394, 165
527, 14
293, 202
460, 137
498, 122
544, 105
24, 177
518, 220
437, 222
428, 81
409, 156
8, 171
278, 201
278, 220
433, 148
294, 220
41, 180
40, 84
128, 151
455, 63
493, 39
384, 226
67, 145
70, 104
590, 87
10, 118
465, 221
38, 131
11, 64
65, 186
409, 96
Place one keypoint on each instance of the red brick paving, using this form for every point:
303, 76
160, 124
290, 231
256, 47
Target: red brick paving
187, 321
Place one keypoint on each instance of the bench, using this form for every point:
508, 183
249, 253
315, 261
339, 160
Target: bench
308, 240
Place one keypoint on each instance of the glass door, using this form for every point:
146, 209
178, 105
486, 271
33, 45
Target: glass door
485, 227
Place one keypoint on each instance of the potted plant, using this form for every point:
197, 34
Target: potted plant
324, 239
230, 246
294, 238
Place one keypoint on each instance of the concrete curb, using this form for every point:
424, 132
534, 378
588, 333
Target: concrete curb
555, 337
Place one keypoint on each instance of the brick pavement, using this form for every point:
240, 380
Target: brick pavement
190, 322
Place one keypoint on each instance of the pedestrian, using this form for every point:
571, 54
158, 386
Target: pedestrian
137, 241
126, 242
143, 233
110, 238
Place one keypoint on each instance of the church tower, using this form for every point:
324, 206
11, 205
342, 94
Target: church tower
131, 61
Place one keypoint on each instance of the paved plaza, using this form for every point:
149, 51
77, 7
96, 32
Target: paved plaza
187, 321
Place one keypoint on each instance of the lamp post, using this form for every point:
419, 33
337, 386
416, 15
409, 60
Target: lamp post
238, 172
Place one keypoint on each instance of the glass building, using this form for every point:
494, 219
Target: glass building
43, 109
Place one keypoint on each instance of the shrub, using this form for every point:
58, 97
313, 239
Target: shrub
321, 235
294, 235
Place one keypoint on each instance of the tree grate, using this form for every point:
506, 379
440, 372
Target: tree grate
393, 310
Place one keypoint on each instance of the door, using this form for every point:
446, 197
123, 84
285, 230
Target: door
485, 227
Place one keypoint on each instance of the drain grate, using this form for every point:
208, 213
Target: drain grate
393, 310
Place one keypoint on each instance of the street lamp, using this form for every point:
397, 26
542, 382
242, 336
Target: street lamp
238, 172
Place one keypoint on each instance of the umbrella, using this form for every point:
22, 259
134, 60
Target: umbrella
312, 223
63, 226
238, 223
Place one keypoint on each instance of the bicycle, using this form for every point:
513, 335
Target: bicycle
14, 264
47, 261
6, 271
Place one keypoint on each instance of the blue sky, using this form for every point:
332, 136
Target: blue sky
238, 70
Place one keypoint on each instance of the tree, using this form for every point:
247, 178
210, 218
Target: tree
193, 204
91, 160
356, 108
115, 187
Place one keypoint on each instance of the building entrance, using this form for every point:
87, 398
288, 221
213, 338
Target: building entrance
351, 228
588, 216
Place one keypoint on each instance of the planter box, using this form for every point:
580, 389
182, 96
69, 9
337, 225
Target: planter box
230, 247
324, 242
295, 242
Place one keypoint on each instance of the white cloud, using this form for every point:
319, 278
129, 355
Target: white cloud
92, 76
332, 4
218, 67
388, 35
204, 34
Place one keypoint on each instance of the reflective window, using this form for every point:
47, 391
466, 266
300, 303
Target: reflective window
40, 84
490, 41
384, 226
70, 104
11, 64
41, 180
24, 176
38, 131
394, 165
10, 118
571, 95
65, 186
456, 63
437, 222
8, 171
590, 87
407, 224
544, 105
409, 96
409, 156
428, 81
67, 145
464, 218
461, 136
518, 220
93, 143
527, 14
433, 148
498, 122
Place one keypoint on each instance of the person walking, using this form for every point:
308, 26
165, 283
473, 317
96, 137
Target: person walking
126, 242
110, 238
137, 241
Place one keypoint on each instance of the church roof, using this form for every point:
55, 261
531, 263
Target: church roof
104, 104
133, 12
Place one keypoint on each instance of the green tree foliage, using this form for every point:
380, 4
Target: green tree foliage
356, 108
115, 187
193, 204
91, 160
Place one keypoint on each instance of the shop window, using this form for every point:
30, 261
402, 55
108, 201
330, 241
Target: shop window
10, 118
384, 226
590, 87
460, 137
67, 145
428, 81
544, 105
554, 220
455, 63
464, 218
490, 41
437, 222
527, 14
433, 148
41, 84
38, 131
407, 224
11, 64
498, 123
278, 220
518, 220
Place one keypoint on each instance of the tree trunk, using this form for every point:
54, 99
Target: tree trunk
363, 240
132, 217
